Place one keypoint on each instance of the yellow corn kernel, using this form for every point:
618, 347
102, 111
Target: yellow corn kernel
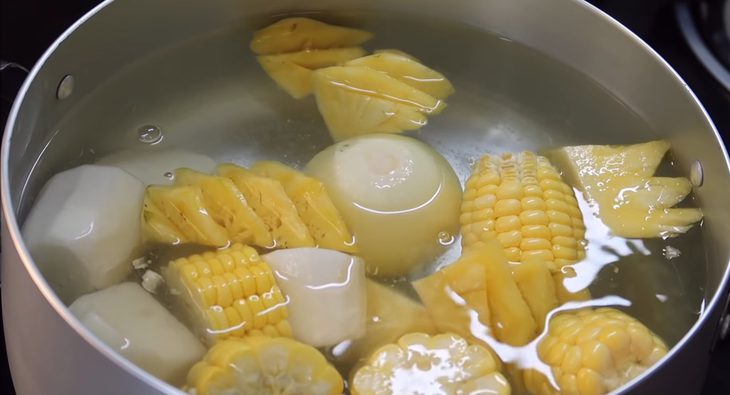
229, 293
264, 365
269, 201
593, 352
533, 212
445, 363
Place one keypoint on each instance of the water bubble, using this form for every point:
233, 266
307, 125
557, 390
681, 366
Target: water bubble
149, 134
445, 238
169, 175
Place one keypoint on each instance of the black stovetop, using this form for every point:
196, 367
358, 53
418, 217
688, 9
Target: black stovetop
29, 26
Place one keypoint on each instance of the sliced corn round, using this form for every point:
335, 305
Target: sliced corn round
441, 364
263, 365
593, 352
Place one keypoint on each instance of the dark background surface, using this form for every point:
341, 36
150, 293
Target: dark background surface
28, 27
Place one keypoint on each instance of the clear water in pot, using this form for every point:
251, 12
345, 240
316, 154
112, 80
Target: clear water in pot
209, 95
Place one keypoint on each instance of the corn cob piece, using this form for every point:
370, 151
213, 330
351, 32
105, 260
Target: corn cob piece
297, 34
537, 287
179, 213
442, 364
293, 71
520, 200
620, 181
481, 278
228, 207
269, 201
314, 205
264, 365
593, 352
562, 293
229, 293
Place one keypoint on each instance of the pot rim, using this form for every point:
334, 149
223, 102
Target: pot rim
15, 235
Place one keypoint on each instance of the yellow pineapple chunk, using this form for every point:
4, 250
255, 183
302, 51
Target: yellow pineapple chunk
630, 201
293, 71
407, 69
359, 100
314, 205
537, 287
157, 227
227, 205
184, 207
396, 52
269, 201
297, 34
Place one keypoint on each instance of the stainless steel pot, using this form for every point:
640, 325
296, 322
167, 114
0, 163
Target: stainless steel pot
51, 352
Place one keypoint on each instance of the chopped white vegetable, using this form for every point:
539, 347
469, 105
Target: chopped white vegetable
151, 281
133, 323
155, 166
140, 263
84, 229
324, 287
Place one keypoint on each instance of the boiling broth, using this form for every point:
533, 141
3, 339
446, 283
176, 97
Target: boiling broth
209, 95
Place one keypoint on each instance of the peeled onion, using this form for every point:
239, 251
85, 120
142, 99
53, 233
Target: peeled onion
399, 197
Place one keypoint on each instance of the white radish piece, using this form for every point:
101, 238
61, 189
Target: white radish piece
84, 229
134, 324
398, 196
158, 166
326, 293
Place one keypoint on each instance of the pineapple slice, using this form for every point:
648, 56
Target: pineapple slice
293, 71
407, 69
184, 208
630, 201
360, 100
269, 201
157, 227
396, 52
227, 205
314, 205
537, 287
296, 34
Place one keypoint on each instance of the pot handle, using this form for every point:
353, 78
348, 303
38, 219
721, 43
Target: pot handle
12, 65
